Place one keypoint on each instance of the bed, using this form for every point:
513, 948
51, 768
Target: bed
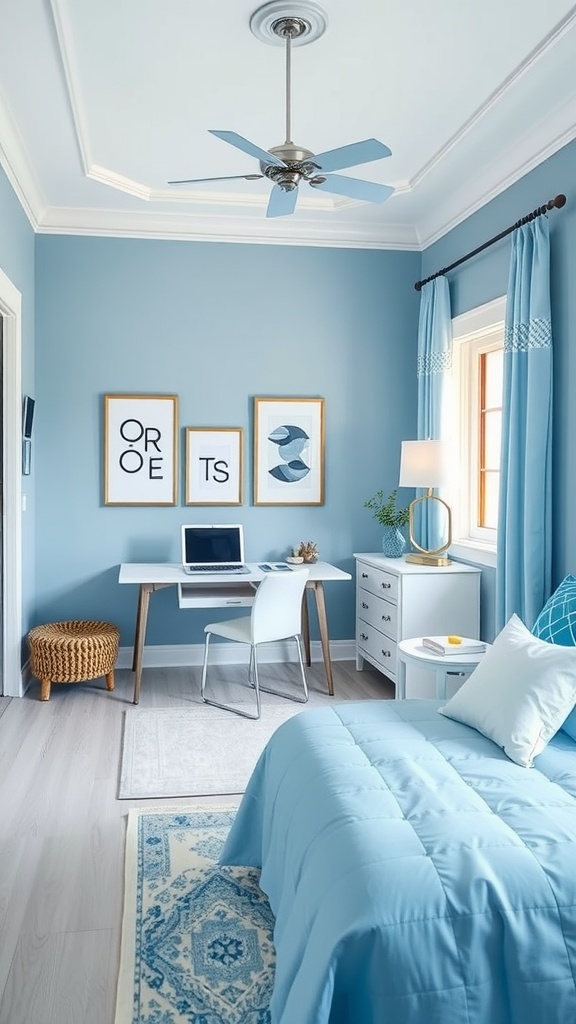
417, 874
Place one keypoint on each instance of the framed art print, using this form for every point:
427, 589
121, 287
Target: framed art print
288, 451
140, 449
214, 465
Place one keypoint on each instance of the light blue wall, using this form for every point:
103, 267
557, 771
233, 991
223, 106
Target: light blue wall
17, 262
213, 323
216, 324
485, 277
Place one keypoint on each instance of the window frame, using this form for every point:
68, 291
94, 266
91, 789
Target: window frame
479, 330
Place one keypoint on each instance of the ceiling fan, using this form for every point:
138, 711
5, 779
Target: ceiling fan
288, 165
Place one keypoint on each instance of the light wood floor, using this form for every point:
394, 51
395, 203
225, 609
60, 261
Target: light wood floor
62, 836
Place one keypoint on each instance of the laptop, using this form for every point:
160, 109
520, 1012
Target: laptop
213, 549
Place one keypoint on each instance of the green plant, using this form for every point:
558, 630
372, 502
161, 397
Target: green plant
386, 512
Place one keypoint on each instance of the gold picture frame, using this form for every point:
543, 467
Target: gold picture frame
288, 451
214, 466
140, 449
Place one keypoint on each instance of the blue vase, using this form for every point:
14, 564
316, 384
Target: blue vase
393, 542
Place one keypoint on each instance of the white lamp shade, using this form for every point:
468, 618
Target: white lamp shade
425, 464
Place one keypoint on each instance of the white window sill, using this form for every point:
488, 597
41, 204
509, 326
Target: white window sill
473, 551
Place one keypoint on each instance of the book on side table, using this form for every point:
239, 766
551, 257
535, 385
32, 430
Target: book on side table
457, 645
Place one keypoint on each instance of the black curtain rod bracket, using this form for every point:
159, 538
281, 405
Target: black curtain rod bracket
552, 204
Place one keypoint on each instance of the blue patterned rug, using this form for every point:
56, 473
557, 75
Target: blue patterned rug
197, 942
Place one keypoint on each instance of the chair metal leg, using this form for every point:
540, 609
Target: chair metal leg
252, 675
288, 696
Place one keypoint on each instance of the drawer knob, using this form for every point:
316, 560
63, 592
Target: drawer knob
386, 586
363, 636
386, 618
364, 605
364, 575
387, 654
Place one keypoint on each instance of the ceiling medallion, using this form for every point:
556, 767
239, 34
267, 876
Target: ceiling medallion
310, 17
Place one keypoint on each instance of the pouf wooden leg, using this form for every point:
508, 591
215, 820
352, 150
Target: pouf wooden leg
45, 685
110, 680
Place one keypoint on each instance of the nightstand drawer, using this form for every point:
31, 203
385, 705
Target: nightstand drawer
378, 612
377, 581
379, 648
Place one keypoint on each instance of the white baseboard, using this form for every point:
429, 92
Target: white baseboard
182, 655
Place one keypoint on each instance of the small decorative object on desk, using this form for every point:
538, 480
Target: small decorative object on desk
392, 519
307, 551
456, 645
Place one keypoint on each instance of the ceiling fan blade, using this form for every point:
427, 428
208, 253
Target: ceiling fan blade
348, 156
228, 177
281, 203
355, 188
248, 147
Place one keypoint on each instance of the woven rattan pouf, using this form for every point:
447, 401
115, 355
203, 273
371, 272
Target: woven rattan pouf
72, 652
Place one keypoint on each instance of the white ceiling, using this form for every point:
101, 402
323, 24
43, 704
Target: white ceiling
103, 101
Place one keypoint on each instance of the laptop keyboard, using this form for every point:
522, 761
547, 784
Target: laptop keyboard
218, 567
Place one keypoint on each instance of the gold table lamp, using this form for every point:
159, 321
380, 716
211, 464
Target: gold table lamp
426, 464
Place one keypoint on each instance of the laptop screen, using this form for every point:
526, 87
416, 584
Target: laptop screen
211, 545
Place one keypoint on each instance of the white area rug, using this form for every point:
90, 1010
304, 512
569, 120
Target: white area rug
197, 750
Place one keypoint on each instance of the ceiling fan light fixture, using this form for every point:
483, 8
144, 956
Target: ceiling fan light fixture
289, 22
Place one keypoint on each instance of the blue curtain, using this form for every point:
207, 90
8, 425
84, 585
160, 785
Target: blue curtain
523, 576
434, 374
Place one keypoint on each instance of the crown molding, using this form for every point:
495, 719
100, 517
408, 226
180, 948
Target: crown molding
346, 235
533, 149
17, 167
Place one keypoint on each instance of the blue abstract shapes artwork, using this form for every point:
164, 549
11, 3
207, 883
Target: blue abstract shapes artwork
291, 441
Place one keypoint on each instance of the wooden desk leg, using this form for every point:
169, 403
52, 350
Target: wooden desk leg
140, 635
306, 626
316, 586
136, 646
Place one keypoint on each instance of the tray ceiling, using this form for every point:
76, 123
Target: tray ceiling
101, 104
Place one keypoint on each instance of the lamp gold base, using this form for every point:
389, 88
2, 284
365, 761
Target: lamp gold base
428, 559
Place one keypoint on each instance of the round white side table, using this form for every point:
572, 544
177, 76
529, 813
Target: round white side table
441, 664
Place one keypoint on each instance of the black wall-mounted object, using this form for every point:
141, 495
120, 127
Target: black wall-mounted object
27, 416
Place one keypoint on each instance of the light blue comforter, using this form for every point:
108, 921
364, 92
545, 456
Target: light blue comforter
417, 875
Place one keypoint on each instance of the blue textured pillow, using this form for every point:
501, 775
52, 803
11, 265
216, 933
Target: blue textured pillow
557, 620
557, 624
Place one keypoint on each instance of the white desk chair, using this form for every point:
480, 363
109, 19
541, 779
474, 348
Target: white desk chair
276, 615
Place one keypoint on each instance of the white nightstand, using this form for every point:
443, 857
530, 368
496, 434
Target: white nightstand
441, 664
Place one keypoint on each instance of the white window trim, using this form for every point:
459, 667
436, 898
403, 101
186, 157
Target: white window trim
475, 325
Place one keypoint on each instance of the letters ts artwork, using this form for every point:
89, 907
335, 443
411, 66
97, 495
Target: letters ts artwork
214, 465
140, 449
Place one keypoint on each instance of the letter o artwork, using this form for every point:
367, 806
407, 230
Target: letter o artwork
131, 460
140, 442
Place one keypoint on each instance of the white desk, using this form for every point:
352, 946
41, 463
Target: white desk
441, 664
217, 591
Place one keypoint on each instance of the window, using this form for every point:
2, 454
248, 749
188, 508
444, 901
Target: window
478, 363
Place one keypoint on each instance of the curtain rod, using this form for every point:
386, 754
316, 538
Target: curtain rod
556, 203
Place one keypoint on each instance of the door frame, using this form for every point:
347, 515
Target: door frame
11, 309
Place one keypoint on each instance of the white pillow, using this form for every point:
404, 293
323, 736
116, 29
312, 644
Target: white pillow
519, 694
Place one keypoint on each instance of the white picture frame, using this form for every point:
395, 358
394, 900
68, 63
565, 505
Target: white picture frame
140, 449
214, 465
